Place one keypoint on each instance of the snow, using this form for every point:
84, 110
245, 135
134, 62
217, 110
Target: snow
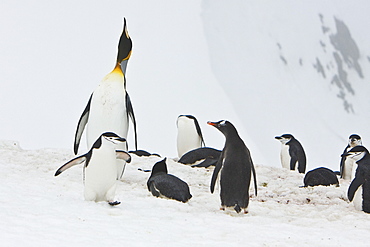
38, 209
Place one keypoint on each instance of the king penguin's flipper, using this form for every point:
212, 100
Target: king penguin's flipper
76, 161
130, 112
357, 182
81, 125
123, 155
215, 172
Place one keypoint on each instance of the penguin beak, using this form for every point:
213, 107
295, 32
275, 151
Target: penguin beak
212, 123
121, 139
277, 137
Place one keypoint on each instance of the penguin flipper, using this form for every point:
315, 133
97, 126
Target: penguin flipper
254, 178
130, 112
123, 155
199, 131
76, 161
206, 163
215, 172
357, 182
81, 125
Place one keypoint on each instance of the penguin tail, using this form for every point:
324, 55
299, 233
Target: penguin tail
237, 208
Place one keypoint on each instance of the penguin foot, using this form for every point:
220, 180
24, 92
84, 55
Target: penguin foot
222, 208
245, 211
114, 203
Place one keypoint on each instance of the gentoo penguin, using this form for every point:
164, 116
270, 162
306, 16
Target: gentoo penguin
161, 184
236, 165
100, 172
292, 153
109, 106
347, 165
189, 134
209, 155
359, 189
320, 176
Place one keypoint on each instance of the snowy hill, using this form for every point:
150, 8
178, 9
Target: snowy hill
299, 68
38, 209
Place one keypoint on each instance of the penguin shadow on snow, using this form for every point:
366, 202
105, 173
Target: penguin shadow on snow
162, 184
100, 169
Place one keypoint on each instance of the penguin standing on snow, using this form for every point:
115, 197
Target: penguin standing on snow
109, 106
347, 165
236, 166
189, 134
359, 189
292, 153
100, 172
161, 184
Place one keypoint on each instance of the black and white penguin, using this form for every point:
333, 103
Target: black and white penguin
100, 172
359, 189
141, 153
236, 166
189, 134
209, 156
347, 165
162, 184
109, 106
320, 176
292, 153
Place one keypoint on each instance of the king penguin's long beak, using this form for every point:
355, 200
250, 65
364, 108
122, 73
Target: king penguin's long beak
124, 48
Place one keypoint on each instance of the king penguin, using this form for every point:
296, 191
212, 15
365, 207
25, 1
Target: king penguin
109, 106
292, 153
347, 165
162, 184
236, 166
189, 134
359, 189
100, 172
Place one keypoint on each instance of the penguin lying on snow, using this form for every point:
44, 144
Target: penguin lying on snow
166, 185
347, 165
100, 171
210, 156
189, 134
109, 106
359, 189
236, 166
320, 176
292, 153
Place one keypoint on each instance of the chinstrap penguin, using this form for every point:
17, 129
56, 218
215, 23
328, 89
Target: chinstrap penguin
109, 106
236, 166
320, 176
189, 134
347, 165
162, 184
292, 153
359, 189
209, 156
100, 172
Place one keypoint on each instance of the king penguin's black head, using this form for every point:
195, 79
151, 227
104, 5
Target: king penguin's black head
159, 167
124, 48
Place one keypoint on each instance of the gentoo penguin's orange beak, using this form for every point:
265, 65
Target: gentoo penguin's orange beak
211, 123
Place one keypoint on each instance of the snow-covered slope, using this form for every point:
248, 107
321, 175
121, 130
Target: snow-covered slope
293, 67
38, 209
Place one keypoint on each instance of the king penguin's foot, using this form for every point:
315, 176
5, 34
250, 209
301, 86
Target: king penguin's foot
114, 203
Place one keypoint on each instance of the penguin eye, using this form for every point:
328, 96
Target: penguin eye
223, 123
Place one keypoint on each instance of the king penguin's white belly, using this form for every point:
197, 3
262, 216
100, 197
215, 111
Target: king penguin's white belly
187, 137
284, 156
357, 199
100, 175
107, 112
